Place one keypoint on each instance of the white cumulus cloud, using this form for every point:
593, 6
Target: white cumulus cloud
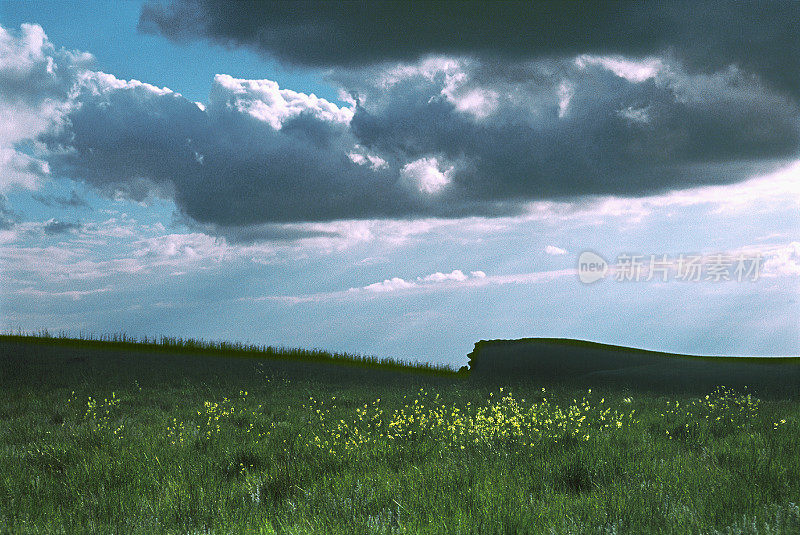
389, 285
632, 70
455, 275
35, 84
264, 100
426, 175
784, 260
555, 251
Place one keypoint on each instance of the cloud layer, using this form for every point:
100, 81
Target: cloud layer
707, 36
440, 137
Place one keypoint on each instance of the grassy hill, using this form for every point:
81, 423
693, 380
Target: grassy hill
165, 348
189, 437
554, 359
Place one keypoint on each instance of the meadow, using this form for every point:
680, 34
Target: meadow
189, 437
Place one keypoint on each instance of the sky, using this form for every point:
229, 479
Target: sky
403, 180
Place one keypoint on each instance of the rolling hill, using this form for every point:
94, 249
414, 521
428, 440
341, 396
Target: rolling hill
558, 360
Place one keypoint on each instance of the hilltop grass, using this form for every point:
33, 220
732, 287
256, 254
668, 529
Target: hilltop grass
108, 441
172, 344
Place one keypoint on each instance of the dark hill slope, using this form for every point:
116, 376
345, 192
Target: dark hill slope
69, 363
558, 360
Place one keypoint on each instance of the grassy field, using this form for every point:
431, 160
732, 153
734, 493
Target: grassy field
113, 437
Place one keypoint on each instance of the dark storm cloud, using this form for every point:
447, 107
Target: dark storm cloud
759, 37
613, 137
225, 167
222, 165
441, 137
249, 234
54, 227
239, 164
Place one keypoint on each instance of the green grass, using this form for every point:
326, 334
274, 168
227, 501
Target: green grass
130, 439
171, 344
